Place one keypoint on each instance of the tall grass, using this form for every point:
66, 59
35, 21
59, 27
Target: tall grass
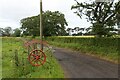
0, 57
106, 48
50, 69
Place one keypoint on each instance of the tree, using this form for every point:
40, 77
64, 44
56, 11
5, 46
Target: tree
7, 31
102, 15
69, 30
81, 30
30, 26
76, 30
118, 21
53, 24
17, 32
1, 31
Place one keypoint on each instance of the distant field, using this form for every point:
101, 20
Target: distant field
79, 36
90, 36
50, 69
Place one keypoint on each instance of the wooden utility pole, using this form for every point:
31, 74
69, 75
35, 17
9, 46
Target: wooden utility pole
41, 27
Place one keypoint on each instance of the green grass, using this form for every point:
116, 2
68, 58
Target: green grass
51, 69
0, 57
106, 48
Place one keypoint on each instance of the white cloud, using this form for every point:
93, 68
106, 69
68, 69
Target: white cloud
12, 11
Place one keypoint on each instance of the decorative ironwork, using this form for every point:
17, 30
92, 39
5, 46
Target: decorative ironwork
36, 56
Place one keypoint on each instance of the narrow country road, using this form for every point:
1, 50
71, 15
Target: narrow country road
76, 65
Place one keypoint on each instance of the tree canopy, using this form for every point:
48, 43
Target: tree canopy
7, 31
53, 24
17, 32
102, 15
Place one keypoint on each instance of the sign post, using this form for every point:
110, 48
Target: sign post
41, 27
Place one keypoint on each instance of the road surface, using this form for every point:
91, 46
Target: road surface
76, 65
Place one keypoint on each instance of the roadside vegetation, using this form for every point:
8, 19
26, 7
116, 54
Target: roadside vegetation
105, 48
0, 57
104, 17
15, 63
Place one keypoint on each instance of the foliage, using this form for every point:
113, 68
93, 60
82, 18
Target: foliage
69, 31
104, 47
102, 15
17, 32
1, 31
51, 69
7, 31
0, 57
77, 31
53, 24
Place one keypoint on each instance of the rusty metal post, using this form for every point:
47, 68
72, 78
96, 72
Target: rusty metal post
41, 26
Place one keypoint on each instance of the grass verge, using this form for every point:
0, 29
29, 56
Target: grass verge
0, 58
51, 69
105, 48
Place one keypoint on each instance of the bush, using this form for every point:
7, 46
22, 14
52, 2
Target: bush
105, 47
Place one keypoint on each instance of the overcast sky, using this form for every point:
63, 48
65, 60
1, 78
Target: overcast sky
12, 11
